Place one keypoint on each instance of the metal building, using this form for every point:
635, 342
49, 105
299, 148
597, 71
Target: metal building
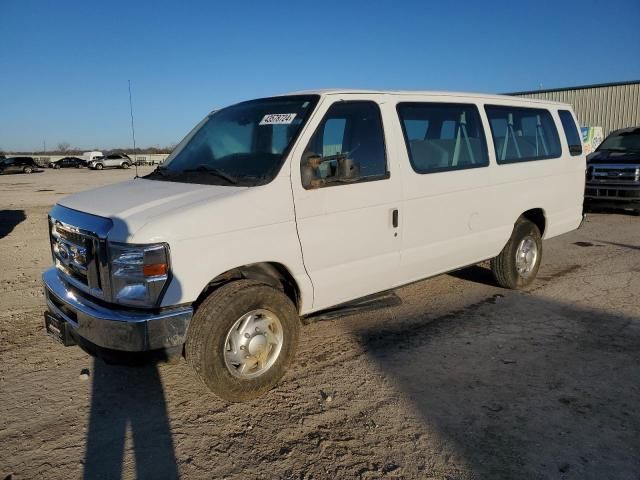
607, 105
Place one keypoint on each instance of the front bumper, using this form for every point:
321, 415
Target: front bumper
114, 328
612, 193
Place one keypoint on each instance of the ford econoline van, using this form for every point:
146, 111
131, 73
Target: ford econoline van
274, 209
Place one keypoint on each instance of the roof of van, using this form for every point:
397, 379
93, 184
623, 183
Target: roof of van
485, 96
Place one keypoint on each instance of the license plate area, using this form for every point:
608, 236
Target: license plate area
58, 329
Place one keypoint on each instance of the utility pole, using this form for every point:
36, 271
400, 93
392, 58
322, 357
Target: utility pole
133, 130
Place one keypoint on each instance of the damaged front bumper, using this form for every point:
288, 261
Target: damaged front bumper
108, 327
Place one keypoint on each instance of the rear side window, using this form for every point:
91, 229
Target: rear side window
443, 136
522, 134
571, 132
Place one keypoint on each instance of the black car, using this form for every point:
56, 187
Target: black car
613, 172
18, 165
68, 162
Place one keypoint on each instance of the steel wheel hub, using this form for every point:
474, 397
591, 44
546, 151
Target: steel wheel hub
253, 344
526, 256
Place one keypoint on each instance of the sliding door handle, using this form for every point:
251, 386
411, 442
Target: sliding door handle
394, 218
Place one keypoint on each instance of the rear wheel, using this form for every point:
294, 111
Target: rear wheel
518, 263
27, 170
242, 338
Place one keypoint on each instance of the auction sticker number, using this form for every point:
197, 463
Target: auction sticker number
278, 119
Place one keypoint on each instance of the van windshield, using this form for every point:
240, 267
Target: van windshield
244, 144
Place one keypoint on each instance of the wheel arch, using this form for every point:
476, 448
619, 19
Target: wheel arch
538, 217
274, 274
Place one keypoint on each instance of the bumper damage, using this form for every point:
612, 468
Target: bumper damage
113, 328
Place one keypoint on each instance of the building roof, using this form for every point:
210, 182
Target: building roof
580, 87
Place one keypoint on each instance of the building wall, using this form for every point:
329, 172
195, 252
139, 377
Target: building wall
610, 106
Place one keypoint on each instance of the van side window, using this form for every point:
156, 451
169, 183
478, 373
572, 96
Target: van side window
522, 134
350, 134
443, 136
571, 132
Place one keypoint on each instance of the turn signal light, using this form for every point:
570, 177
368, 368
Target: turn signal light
155, 269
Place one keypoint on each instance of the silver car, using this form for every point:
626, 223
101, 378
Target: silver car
114, 160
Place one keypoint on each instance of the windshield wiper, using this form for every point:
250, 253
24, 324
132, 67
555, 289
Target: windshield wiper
159, 170
213, 171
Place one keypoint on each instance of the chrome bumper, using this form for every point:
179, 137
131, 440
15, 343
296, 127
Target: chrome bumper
117, 329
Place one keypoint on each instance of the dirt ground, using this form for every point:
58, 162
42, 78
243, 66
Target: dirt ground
462, 380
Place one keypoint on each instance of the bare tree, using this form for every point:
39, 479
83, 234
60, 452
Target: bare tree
63, 146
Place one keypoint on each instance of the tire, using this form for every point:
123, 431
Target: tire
505, 266
57, 167
99, 166
125, 165
206, 345
27, 170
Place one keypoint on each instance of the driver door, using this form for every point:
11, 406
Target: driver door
347, 227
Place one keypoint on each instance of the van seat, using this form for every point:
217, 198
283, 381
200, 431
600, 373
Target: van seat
427, 155
437, 153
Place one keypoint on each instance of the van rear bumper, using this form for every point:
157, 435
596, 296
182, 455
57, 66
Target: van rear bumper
114, 328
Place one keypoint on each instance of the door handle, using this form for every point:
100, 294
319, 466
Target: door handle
394, 218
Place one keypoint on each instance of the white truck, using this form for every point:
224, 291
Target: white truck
89, 156
279, 208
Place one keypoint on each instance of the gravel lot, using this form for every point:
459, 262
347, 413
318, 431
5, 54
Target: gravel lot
462, 380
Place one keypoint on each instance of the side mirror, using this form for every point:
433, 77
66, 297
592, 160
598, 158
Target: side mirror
318, 171
348, 170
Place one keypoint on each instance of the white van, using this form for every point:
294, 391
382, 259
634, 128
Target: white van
273, 209
92, 155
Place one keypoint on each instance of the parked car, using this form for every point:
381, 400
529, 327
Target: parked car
68, 162
283, 207
114, 160
613, 172
19, 165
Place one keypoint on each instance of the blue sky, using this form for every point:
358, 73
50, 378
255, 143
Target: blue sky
64, 65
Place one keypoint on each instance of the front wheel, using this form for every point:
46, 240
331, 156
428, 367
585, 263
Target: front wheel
242, 338
517, 264
27, 170
99, 166
125, 165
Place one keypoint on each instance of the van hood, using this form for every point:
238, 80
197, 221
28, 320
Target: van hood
608, 156
134, 203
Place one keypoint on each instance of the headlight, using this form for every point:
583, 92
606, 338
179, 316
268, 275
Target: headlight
139, 273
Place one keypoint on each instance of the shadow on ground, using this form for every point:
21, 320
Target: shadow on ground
126, 398
9, 219
525, 388
477, 274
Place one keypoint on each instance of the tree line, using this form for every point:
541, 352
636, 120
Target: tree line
64, 148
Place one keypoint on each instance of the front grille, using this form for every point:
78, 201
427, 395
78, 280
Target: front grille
75, 254
623, 174
619, 182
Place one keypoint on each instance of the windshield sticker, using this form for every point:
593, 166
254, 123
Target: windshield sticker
278, 119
